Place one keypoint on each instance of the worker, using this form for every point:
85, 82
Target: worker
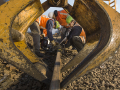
44, 30
61, 16
77, 36
43, 22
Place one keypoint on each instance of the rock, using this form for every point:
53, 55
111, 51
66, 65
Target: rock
75, 88
103, 83
10, 67
102, 88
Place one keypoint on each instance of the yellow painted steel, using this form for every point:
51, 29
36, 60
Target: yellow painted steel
89, 21
108, 41
6, 17
26, 51
20, 14
22, 22
112, 2
85, 17
114, 42
59, 3
81, 56
8, 51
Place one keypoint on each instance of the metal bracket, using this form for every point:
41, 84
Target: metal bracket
58, 3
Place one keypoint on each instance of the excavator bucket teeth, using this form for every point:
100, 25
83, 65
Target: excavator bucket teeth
20, 56
96, 51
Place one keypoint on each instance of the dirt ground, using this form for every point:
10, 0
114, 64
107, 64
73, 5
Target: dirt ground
105, 77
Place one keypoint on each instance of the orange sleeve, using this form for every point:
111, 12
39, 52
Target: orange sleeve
61, 18
63, 23
83, 33
64, 16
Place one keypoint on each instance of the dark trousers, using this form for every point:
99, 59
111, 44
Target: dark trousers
35, 30
77, 43
65, 32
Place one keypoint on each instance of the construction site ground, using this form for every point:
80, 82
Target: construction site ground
104, 77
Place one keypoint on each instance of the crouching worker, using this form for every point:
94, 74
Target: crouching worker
77, 36
43, 22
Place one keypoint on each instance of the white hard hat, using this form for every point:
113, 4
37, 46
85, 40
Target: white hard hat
50, 14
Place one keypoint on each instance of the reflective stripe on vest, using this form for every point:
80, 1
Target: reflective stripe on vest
43, 21
64, 14
83, 39
67, 25
42, 27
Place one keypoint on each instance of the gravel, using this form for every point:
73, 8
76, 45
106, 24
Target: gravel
105, 77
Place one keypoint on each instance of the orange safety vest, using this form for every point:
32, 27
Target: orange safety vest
42, 20
61, 18
82, 34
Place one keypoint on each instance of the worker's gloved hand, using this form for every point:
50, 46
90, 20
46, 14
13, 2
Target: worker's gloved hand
58, 47
41, 36
57, 42
53, 43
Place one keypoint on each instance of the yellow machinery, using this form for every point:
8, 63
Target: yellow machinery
112, 3
100, 22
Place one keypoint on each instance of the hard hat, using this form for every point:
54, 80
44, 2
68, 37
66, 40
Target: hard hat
57, 25
69, 19
50, 14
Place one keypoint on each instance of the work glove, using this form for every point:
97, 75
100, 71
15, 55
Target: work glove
41, 36
58, 47
53, 43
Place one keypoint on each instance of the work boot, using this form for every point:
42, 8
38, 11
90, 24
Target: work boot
73, 48
39, 54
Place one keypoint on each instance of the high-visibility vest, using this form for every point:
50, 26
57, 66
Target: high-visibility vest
45, 32
61, 18
82, 34
42, 20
